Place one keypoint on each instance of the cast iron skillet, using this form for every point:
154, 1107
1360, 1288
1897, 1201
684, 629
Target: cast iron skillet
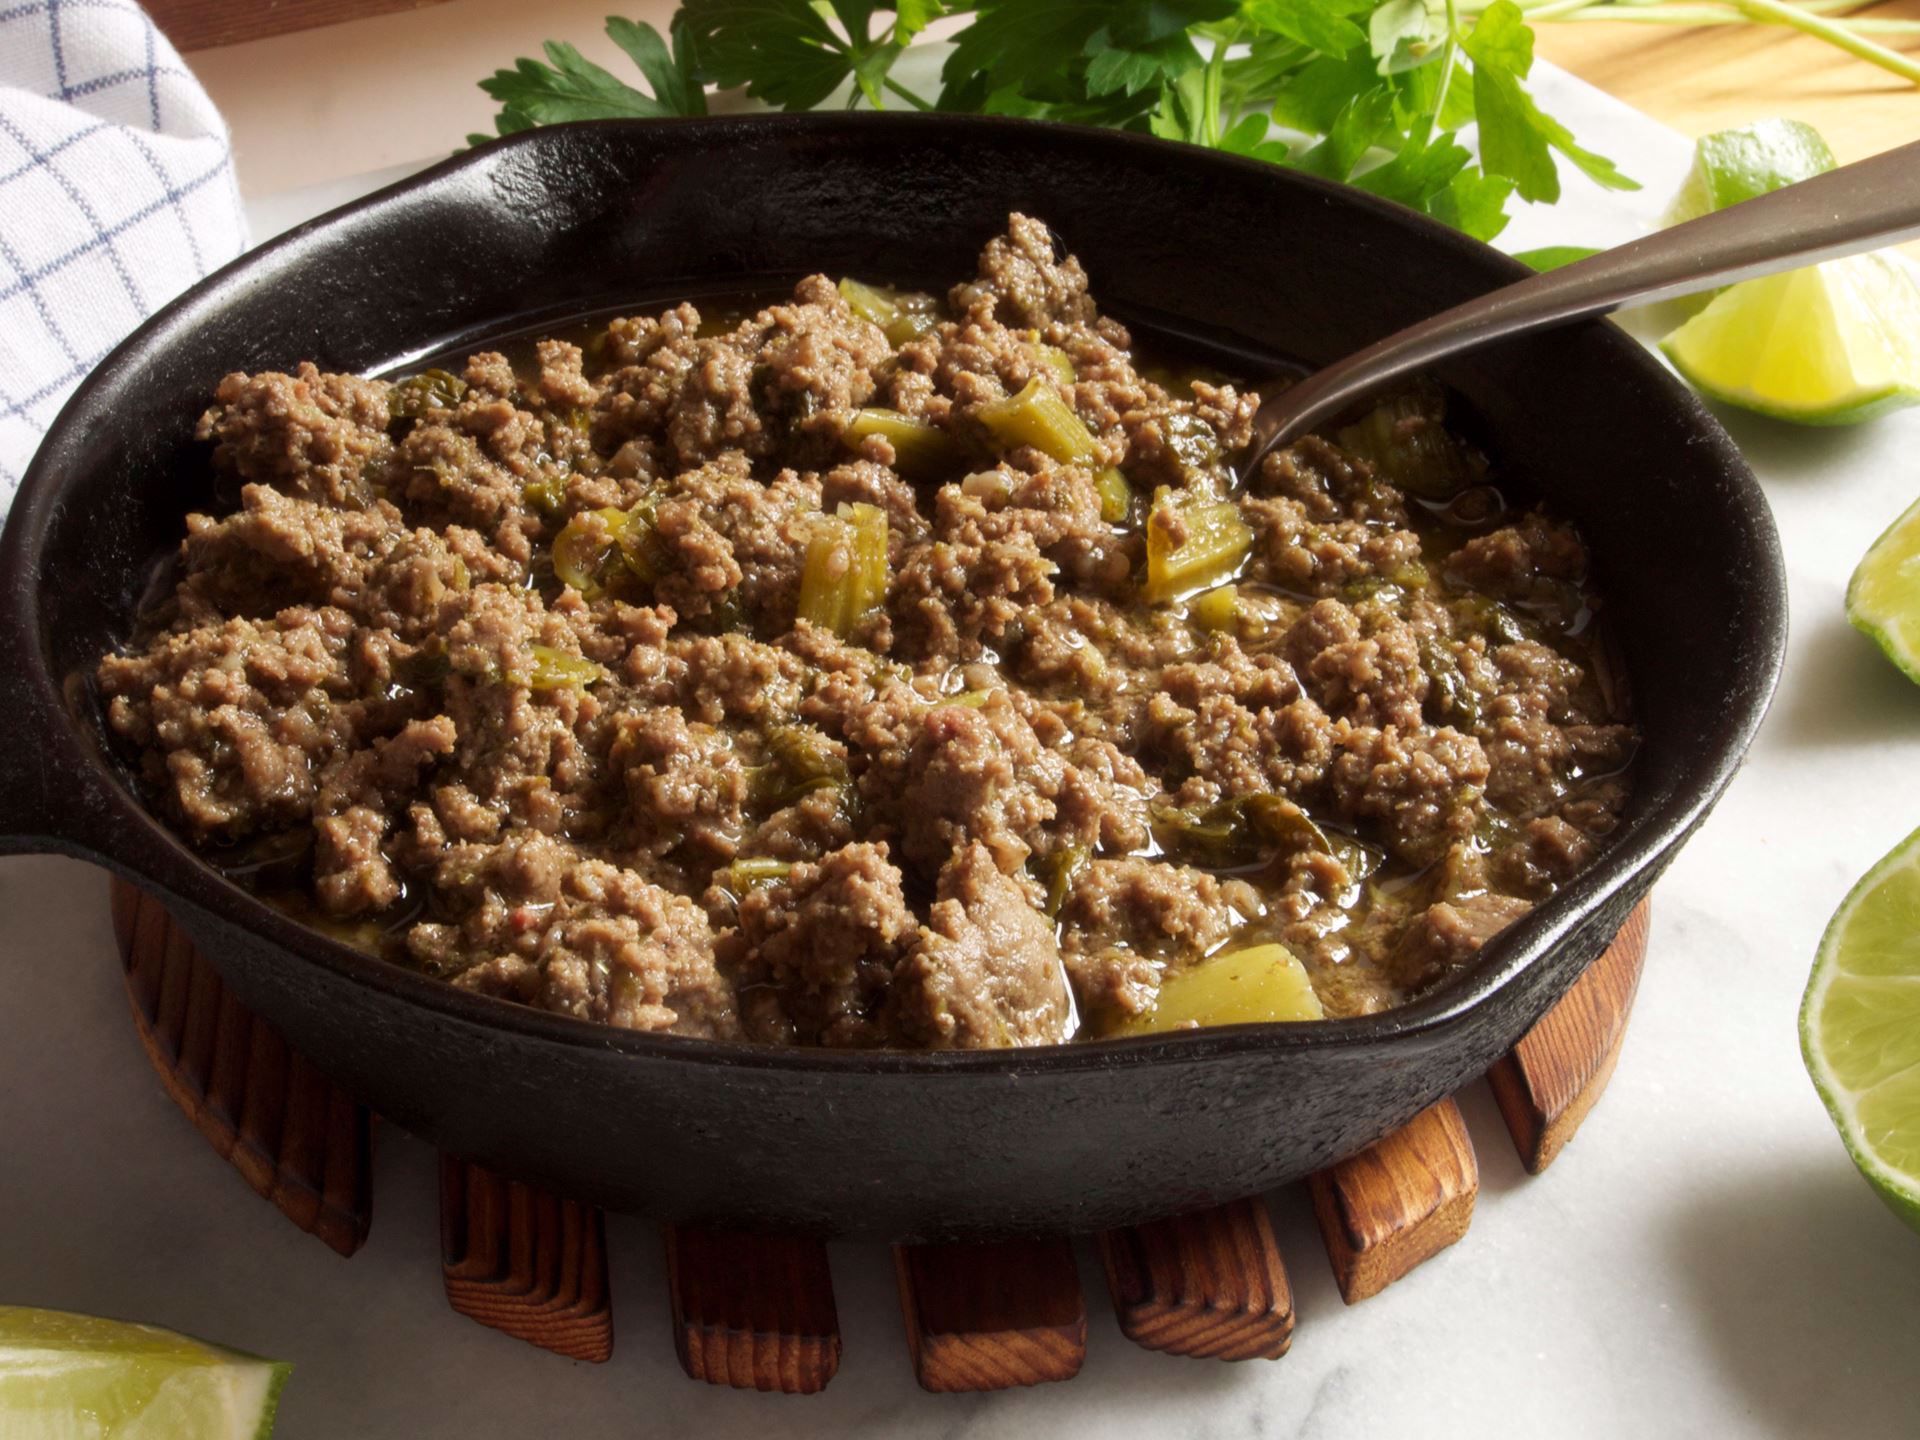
883, 1145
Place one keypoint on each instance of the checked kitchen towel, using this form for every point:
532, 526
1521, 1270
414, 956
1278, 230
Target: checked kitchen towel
116, 193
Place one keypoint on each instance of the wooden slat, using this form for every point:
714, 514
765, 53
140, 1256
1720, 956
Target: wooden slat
752, 1311
1208, 1284
1547, 1084
525, 1262
203, 24
1397, 1203
232, 1074
992, 1317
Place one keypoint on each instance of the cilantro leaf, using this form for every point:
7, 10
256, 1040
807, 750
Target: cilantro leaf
1140, 22
910, 17
1247, 136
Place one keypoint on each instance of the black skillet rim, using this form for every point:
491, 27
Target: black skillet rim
154, 853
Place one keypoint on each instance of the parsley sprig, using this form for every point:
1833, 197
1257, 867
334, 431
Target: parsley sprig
1372, 92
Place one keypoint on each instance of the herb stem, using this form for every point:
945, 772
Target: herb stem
1565, 11
905, 94
1210, 93
1448, 57
1833, 33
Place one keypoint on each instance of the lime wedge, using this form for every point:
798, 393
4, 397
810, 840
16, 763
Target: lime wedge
74, 1377
1860, 1026
1734, 165
1833, 344
1883, 598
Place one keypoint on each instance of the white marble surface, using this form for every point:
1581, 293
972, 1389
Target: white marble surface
1702, 1261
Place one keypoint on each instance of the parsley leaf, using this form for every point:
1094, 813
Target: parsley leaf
1400, 35
1015, 42
571, 87
1360, 123
783, 51
1375, 93
1316, 24
1129, 69
1516, 139
669, 71
1475, 202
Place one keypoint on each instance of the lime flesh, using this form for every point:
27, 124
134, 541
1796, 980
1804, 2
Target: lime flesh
1860, 1026
1833, 344
1883, 598
75, 1377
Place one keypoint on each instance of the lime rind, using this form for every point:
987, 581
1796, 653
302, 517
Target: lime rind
1734, 165
1878, 923
1729, 166
1883, 596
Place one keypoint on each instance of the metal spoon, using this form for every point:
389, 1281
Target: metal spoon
1856, 207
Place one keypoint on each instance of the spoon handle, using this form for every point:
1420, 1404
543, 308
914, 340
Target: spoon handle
1856, 207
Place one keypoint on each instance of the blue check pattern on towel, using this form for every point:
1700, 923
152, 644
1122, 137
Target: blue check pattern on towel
116, 193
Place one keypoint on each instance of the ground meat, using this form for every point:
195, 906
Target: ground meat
1338, 557
1421, 788
814, 955
1362, 666
1024, 283
570, 673
985, 970
583, 937
1126, 920
1446, 936
685, 785
970, 774
957, 602
310, 436
234, 720
1151, 909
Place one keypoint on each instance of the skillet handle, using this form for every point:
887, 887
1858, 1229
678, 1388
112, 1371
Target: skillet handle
51, 799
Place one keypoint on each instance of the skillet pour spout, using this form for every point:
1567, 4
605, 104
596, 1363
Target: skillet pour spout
571, 220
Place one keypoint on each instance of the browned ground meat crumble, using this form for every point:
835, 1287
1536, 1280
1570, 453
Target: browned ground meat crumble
996, 807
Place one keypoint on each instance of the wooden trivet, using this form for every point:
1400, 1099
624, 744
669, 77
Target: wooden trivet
1398, 1202
1209, 1284
299, 1140
757, 1311
752, 1311
992, 1317
525, 1262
